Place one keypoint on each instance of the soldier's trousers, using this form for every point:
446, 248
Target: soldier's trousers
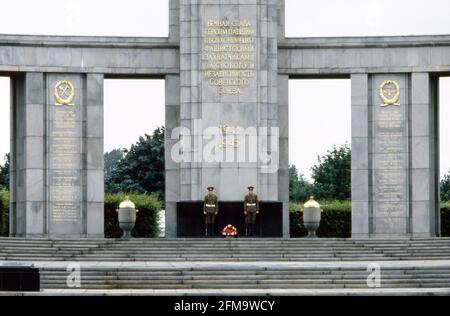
210, 218
250, 218
210, 230
209, 223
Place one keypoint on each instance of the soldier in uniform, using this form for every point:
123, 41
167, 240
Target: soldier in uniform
251, 208
210, 210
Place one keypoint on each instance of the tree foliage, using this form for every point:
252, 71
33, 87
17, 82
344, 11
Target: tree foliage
445, 187
112, 160
332, 174
331, 177
299, 187
141, 170
4, 173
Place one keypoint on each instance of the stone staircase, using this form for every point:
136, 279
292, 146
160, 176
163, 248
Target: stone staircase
235, 264
333, 249
242, 277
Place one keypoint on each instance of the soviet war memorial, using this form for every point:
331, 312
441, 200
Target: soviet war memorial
212, 196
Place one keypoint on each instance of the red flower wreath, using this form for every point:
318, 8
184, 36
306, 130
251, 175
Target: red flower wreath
229, 231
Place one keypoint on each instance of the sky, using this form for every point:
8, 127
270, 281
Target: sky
126, 116
317, 107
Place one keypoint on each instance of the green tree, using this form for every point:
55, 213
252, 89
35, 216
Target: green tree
445, 187
112, 160
4, 174
141, 170
332, 174
299, 187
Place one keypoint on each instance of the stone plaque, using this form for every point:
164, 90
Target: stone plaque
64, 158
390, 161
229, 54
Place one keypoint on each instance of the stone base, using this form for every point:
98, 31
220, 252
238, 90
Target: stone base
393, 236
59, 236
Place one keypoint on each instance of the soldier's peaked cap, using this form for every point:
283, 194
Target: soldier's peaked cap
250, 187
210, 188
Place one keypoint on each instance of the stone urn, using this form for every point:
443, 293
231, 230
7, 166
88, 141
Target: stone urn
127, 217
311, 216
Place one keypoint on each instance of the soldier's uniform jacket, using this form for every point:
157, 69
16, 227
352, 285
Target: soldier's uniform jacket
210, 204
251, 204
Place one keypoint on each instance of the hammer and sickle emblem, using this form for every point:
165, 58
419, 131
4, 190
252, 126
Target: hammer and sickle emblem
64, 92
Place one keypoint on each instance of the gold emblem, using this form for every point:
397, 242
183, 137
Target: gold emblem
389, 93
64, 92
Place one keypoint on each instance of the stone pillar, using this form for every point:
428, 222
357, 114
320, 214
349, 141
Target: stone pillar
172, 95
57, 156
212, 97
390, 160
174, 21
254, 105
12, 167
394, 164
283, 173
28, 177
172, 168
425, 214
93, 158
283, 123
361, 172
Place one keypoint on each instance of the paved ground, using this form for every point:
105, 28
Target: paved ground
240, 292
238, 265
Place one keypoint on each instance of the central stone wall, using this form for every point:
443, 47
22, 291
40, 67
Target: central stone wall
228, 81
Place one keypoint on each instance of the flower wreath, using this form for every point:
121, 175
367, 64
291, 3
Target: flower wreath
229, 231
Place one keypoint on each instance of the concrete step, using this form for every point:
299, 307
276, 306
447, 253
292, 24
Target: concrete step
277, 278
315, 277
246, 286
339, 255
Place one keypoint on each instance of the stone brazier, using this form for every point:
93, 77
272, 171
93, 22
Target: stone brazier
127, 217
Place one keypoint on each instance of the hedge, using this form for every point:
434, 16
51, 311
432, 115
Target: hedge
336, 219
445, 219
146, 219
4, 212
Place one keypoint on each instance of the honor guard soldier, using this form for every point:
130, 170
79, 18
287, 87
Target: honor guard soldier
210, 210
251, 208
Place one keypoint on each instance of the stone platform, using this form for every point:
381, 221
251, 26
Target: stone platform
236, 267
244, 292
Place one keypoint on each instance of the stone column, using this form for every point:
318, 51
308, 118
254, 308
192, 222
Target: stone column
57, 155
172, 95
394, 158
425, 215
361, 171
252, 105
172, 168
390, 159
174, 21
283, 173
228, 80
93, 158
28, 181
